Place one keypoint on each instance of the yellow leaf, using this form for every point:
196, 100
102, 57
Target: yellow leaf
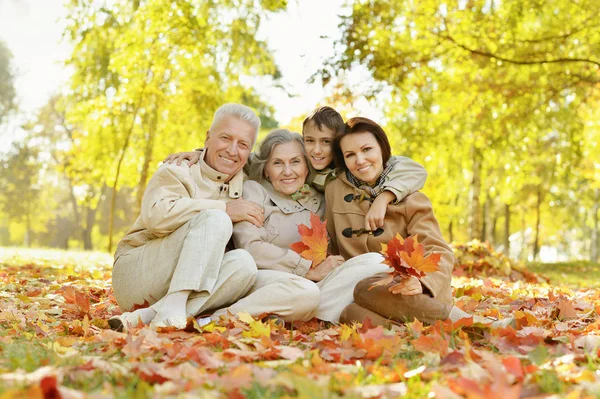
245, 317
86, 325
346, 332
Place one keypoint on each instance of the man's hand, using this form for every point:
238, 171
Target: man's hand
241, 209
408, 286
192, 157
319, 272
376, 215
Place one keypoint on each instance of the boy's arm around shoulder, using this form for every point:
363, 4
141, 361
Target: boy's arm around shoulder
406, 177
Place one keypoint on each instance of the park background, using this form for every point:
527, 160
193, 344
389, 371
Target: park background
498, 100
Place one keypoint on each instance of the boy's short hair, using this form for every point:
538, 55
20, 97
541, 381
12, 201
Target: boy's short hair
325, 116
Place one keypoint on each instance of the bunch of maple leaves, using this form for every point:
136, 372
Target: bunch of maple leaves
407, 258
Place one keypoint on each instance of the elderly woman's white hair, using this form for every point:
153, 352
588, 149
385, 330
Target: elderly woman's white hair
238, 111
272, 140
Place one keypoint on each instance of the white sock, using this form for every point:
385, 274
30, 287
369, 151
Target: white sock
457, 314
145, 315
172, 312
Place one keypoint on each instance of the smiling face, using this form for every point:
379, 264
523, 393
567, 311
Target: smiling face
286, 169
362, 156
317, 143
228, 145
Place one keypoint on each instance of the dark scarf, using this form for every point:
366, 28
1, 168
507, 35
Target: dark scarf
375, 190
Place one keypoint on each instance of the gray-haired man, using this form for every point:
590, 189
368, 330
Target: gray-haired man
174, 258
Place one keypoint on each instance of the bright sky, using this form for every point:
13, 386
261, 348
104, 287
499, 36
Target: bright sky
301, 40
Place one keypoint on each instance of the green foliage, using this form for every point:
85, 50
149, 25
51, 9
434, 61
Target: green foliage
150, 74
493, 96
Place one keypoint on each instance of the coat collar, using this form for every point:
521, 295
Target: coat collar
311, 202
235, 184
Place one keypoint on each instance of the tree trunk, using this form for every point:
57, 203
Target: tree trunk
488, 221
151, 132
484, 221
523, 252
113, 200
475, 192
506, 229
538, 206
27, 238
90, 219
450, 230
595, 232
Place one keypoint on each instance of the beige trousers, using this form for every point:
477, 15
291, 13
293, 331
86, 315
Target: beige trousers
190, 258
292, 297
337, 287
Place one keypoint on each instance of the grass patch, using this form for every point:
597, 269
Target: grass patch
575, 274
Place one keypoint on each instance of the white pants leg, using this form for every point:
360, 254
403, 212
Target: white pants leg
337, 288
287, 295
190, 258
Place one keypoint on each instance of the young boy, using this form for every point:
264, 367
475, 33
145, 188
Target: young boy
318, 130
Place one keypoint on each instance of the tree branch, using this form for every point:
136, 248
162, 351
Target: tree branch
515, 61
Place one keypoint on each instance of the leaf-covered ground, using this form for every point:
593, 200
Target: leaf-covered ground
55, 342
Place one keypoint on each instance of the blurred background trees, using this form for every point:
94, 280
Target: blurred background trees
498, 99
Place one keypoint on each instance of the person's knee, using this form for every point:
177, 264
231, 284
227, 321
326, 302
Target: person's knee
348, 314
245, 265
217, 220
305, 297
362, 288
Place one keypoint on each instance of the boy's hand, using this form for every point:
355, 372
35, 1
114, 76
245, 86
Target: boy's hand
376, 215
408, 286
192, 157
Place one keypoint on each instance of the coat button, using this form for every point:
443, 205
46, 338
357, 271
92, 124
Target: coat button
315, 200
218, 177
298, 271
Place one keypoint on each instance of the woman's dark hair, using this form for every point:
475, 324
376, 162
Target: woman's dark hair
361, 125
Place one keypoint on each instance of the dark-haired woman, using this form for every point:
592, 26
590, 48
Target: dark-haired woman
362, 153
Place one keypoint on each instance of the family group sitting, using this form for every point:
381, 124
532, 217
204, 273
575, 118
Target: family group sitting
214, 234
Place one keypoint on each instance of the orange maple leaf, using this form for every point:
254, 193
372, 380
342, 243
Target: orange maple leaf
314, 241
407, 257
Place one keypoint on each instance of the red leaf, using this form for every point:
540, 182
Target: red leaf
513, 366
314, 241
76, 297
49, 388
432, 343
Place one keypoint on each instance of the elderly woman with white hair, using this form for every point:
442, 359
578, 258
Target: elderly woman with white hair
279, 186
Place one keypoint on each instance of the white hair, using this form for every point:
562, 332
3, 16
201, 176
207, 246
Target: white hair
238, 111
273, 139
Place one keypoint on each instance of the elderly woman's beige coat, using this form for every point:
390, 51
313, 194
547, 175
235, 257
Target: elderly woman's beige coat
414, 215
270, 246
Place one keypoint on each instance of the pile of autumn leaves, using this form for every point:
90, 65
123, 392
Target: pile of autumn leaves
58, 309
